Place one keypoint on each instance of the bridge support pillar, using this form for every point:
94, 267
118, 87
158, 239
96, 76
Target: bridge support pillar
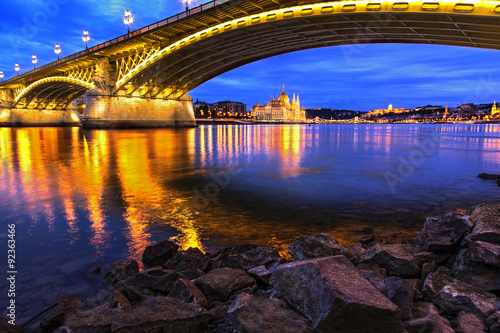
108, 111
13, 117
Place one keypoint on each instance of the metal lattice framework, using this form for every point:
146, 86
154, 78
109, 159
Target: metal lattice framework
57, 91
82, 74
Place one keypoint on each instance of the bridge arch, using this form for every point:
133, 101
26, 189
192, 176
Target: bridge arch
60, 90
185, 64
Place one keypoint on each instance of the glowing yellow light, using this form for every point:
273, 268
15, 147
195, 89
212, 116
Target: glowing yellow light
53, 79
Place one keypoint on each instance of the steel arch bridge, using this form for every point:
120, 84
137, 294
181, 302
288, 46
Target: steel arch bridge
169, 58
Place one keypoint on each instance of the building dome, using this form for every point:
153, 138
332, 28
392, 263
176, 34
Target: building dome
283, 96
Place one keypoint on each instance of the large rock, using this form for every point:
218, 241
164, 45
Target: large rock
64, 306
121, 271
249, 259
334, 296
397, 259
159, 284
191, 259
375, 278
154, 314
400, 292
479, 265
187, 292
470, 323
426, 319
317, 246
220, 283
485, 232
443, 233
158, 254
493, 322
487, 223
452, 296
261, 315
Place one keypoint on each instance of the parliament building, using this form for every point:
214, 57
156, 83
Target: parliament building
280, 109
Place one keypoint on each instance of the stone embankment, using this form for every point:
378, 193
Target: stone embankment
445, 280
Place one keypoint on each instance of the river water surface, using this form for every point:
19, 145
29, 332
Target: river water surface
87, 198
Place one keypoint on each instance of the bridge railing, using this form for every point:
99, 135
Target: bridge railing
134, 33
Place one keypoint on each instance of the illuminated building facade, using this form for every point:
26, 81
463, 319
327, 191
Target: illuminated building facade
495, 110
280, 109
228, 108
390, 109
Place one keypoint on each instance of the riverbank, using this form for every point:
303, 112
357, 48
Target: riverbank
446, 279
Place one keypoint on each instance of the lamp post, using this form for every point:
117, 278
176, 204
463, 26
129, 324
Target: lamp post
17, 69
34, 61
187, 5
1, 75
86, 38
128, 19
57, 50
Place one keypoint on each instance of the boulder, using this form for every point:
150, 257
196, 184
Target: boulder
252, 258
64, 306
400, 292
356, 250
121, 271
5, 327
488, 176
376, 279
493, 322
153, 314
159, 284
365, 239
443, 233
470, 323
261, 274
158, 254
261, 315
120, 301
479, 265
397, 259
334, 296
452, 296
426, 319
191, 259
484, 232
317, 246
231, 251
396, 238
187, 292
220, 283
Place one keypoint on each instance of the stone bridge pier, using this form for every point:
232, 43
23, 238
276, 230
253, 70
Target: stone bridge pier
107, 109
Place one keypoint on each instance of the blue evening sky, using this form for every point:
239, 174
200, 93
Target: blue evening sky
360, 77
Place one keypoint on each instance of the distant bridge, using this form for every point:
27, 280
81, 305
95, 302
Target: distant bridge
166, 60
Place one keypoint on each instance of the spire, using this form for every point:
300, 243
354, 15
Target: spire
283, 87
298, 103
293, 100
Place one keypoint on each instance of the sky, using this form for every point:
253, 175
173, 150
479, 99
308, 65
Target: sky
358, 77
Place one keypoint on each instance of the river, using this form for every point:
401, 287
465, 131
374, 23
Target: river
87, 198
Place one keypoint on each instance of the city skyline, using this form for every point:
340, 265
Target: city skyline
358, 77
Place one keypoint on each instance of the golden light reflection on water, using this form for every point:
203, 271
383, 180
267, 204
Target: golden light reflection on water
129, 184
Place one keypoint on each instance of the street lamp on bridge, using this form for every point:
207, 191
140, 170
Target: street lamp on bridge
187, 5
128, 19
57, 50
86, 38
17, 69
1, 75
34, 60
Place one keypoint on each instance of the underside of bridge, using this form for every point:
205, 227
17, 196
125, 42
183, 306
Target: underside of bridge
155, 68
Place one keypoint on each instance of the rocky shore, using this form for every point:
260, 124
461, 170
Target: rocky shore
445, 280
